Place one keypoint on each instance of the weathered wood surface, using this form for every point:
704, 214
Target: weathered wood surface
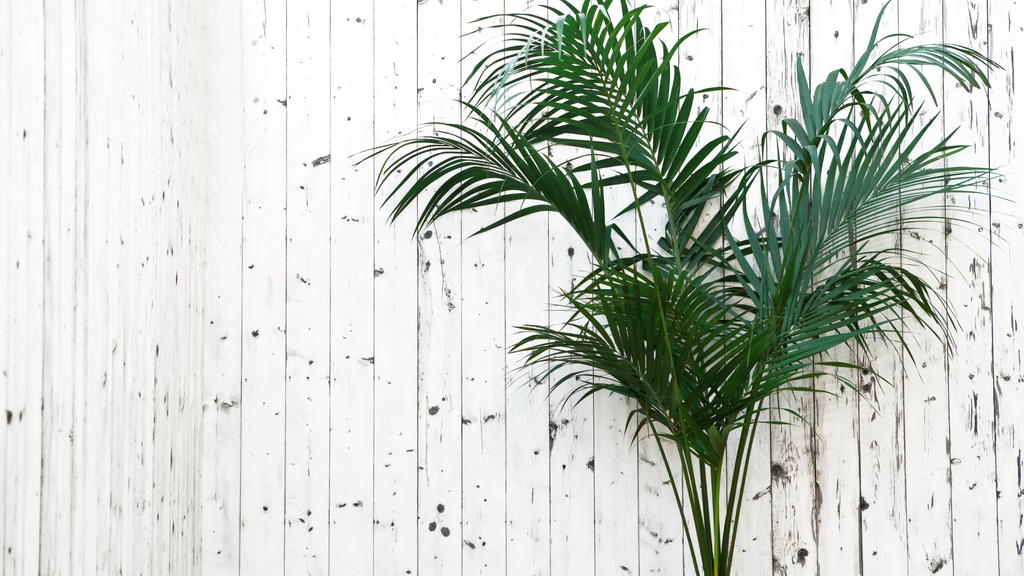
219, 355
103, 191
866, 486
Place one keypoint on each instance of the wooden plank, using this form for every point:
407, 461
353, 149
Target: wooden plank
616, 508
262, 490
307, 288
969, 290
442, 475
882, 508
571, 424
25, 280
1006, 34
836, 423
6, 294
616, 457
483, 355
352, 329
128, 209
101, 347
57, 485
142, 320
794, 549
395, 395
528, 513
662, 547
224, 293
926, 400
744, 109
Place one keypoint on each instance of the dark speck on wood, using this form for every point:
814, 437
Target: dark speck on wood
445, 531
432, 526
590, 464
322, 160
434, 410
440, 507
470, 544
572, 252
255, 333
778, 471
428, 234
378, 272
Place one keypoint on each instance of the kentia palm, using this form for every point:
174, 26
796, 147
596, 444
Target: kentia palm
703, 325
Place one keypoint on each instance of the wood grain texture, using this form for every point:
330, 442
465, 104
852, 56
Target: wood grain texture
6, 294
223, 360
969, 291
100, 203
307, 287
527, 466
835, 442
57, 488
184, 231
882, 506
1006, 35
744, 109
263, 322
926, 399
352, 281
794, 486
395, 306
442, 344
25, 281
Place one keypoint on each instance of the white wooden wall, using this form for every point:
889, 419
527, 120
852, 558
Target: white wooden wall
331, 393
102, 237
358, 415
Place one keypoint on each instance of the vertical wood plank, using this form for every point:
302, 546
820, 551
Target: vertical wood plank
882, 506
440, 318
528, 512
99, 349
307, 288
25, 281
222, 331
572, 425
395, 396
794, 549
262, 468
483, 357
926, 399
744, 109
1007, 33
6, 293
662, 543
352, 281
835, 442
57, 483
969, 290
571, 449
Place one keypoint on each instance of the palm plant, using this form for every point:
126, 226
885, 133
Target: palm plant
702, 325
